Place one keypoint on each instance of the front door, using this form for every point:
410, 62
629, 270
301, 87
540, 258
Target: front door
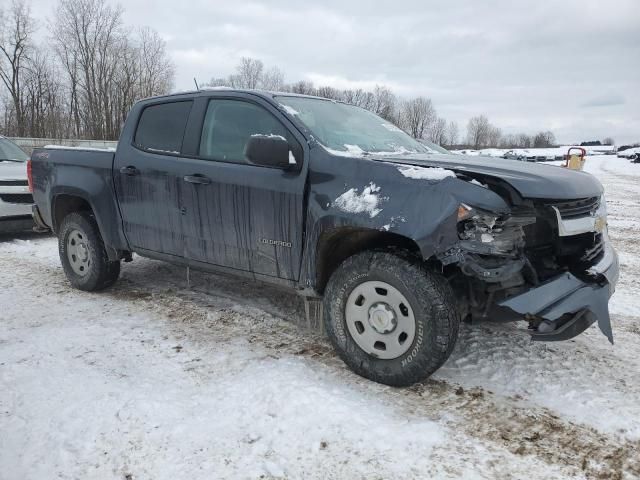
148, 177
247, 217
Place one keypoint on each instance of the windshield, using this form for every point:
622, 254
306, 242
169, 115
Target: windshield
11, 152
347, 129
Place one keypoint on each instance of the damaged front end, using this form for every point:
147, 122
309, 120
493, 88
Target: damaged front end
550, 263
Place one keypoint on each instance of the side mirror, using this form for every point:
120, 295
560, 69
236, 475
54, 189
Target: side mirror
269, 151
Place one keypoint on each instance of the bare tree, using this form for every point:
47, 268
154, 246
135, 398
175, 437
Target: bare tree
16, 29
608, 141
494, 136
523, 141
359, 98
329, 92
248, 74
273, 80
156, 70
544, 140
438, 133
452, 134
384, 103
303, 87
107, 66
417, 117
478, 130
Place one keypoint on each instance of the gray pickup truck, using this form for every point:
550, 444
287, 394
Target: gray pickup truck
391, 243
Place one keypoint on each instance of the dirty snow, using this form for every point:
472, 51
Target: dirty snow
426, 173
366, 202
154, 380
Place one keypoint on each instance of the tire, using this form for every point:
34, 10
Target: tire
90, 270
429, 306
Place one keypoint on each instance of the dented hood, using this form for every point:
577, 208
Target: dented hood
531, 180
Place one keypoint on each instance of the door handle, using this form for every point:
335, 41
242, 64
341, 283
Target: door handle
198, 179
130, 170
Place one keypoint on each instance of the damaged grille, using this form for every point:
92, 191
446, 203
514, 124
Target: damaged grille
575, 208
23, 198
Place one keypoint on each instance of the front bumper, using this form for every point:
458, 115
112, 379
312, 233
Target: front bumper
567, 304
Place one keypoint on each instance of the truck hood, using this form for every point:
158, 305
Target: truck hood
531, 180
13, 170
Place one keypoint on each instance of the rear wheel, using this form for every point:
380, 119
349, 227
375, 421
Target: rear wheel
83, 254
390, 319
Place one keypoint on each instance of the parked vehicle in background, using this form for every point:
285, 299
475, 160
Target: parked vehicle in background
390, 242
628, 152
514, 155
15, 198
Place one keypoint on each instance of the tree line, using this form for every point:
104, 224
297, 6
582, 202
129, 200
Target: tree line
83, 80
416, 116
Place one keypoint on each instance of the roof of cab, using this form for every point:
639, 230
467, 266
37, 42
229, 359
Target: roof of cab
262, 93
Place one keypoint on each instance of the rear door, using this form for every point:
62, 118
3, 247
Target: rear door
245, 217
148, 176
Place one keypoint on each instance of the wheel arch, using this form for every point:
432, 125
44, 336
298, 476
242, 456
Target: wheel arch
66, 202
336, 245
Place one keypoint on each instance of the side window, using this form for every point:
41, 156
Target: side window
228, 125
161, 127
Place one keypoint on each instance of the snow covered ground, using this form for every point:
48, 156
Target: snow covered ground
553, 153
154, 380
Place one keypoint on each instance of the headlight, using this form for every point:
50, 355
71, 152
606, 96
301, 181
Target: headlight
600, 222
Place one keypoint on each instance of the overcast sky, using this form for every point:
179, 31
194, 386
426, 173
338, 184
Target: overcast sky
572, 66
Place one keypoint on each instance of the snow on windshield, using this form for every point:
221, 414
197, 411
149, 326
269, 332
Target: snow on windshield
341, 127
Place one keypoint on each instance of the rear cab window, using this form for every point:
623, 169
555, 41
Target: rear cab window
161, 127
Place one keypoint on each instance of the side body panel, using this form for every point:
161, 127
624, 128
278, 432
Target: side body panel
150, 197
83, 174
248, 218
360, 193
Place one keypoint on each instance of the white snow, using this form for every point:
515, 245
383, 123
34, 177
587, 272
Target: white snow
154, 380
426, 173
292, 159
289, 110
86, 149
269, 135
159, 150
366, 202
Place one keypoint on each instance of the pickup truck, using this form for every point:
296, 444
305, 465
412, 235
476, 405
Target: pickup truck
391, 243
15, 198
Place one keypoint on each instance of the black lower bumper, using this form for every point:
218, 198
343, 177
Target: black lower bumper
15, 224
567, 305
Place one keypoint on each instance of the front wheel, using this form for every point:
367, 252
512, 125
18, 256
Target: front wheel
83, 254
390, 318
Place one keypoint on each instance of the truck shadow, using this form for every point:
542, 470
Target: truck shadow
26, 235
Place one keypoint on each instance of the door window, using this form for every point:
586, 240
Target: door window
161, 127
228, 126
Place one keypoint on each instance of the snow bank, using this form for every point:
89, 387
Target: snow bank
366, 202
426, 173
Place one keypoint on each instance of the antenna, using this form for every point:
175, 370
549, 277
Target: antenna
196, 82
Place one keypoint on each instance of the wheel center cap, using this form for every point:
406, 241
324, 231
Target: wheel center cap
382, 318
83, 253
